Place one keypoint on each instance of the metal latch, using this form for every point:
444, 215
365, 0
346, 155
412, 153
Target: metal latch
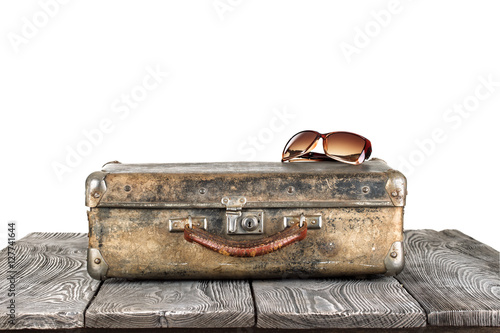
313, 221
242, 223
178, 224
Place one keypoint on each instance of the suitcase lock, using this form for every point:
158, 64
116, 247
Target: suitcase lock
239, 222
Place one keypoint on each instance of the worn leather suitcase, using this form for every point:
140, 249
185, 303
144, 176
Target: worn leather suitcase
245, 220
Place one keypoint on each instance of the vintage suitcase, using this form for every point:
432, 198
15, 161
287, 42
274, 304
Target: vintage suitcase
245, 220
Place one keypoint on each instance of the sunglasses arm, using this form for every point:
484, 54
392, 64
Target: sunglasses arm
313, 156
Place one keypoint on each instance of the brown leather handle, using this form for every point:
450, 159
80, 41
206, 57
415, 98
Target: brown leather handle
246, 248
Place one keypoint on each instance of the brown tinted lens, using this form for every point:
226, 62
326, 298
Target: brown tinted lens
346, 146
299, 144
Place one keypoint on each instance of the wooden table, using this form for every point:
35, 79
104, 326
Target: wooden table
450, 282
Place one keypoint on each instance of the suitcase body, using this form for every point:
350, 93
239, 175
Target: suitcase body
245, 220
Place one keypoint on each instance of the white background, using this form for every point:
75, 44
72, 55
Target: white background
232, 67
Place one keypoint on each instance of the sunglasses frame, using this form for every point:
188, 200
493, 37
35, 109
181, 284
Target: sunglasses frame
307, 154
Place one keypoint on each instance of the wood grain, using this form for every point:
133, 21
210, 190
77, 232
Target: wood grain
52, 285
455, 278
335, 303
150, 304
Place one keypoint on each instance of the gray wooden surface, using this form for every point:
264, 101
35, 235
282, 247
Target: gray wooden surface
455, 278
125, 304
343, 303
52, 285
450, 279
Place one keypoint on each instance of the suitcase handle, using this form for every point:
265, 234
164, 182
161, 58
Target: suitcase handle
246, 248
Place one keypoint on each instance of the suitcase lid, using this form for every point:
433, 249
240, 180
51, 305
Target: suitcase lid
246, 184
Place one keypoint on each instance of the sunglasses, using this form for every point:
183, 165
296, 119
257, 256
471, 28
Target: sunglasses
340, 146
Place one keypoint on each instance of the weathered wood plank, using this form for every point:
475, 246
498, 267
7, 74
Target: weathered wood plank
52, 287
150, 304
455, 278
335, 303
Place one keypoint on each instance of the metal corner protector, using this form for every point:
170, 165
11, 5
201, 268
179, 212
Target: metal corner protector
394, 260
396, 187
96, 265
95, 187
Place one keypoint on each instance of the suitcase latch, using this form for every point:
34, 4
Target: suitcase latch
239, 222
